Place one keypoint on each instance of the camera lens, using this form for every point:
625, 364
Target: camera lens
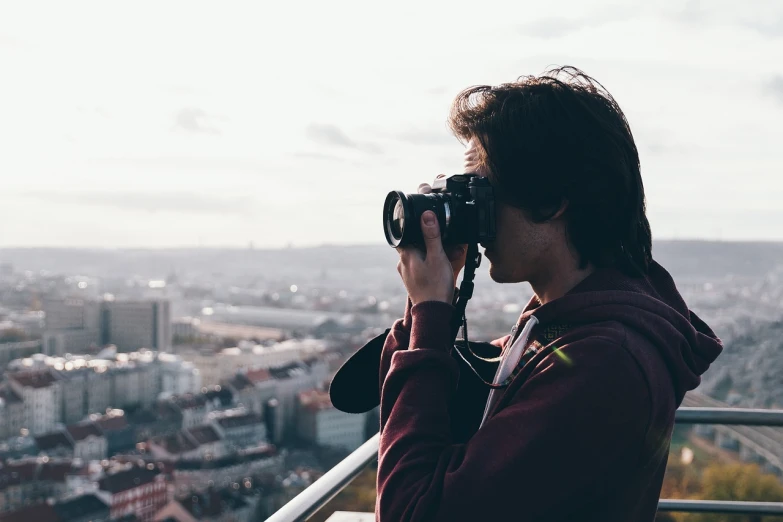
395, 212
398, 220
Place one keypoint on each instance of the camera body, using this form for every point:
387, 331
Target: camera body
463, 203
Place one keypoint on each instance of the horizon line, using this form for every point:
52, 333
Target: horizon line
292, 246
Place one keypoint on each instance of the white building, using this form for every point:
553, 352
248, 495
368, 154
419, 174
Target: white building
322, 424
132, 325
239, 428
193, 408
185, 327
41, 396
216, 367
89, 443
177, 376
11, 413
290, 381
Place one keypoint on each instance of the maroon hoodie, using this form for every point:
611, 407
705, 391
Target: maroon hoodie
581, 433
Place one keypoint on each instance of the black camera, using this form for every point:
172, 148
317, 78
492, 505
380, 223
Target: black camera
463, 203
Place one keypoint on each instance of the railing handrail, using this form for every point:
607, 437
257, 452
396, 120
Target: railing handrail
729, 416
327, 487
721, 506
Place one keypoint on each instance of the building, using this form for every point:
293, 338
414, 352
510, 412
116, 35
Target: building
71, 326
55, 444
87, 508
136, 490
209, 443
239, 428
18, 350
216, 367
75, 325
89, 443
99, 387
177, 376
11, 412
320, 423
33, 481
73, 384
185, 327
213, 505
192, 407
200, 443
132, 325
290, 380
253, 388
40, 393
120, 435
43, 512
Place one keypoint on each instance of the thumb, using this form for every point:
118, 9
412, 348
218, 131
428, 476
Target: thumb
431, 232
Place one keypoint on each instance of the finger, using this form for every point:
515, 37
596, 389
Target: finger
431, 232
425, 188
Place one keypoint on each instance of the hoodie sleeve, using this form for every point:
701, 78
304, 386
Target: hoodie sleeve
583, 413
399, 339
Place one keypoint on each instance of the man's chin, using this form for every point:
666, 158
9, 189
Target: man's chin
496, 274
499, 275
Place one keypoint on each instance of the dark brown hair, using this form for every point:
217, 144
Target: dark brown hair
561, 139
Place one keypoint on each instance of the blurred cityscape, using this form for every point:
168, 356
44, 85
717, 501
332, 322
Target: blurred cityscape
192, 384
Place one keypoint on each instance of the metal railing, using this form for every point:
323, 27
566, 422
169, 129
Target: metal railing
327, 487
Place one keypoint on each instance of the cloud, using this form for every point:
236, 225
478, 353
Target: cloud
691, 13
426, 137
772, 28
775, 88
559, 26
326, 134
333, 136
318, 156
179, 202
184, 163
193, 119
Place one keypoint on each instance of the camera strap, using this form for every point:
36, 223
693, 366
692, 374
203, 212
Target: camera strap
472, 262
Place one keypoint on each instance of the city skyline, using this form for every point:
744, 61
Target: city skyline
236, 124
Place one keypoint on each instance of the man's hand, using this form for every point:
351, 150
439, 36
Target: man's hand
457, 254
429, 275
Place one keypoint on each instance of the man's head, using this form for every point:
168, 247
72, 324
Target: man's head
562, 159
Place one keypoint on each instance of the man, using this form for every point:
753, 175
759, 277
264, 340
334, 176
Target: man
590, 378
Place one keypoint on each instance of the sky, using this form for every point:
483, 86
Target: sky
171, 124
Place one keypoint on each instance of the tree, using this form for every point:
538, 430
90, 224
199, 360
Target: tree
737, 482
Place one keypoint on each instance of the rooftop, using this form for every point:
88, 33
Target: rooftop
52, 441
36, 379
128, 479
175, 443
37, 513
236, 421
16, 474
212, 503
315, 400
189, 401
79, 507
204, 434
258, 375
80, 432
115, 420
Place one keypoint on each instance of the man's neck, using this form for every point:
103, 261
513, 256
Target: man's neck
562, 275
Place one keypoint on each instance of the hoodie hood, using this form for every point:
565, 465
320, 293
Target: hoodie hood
652, 306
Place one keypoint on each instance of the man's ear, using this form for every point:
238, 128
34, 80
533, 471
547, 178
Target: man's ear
561, 210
